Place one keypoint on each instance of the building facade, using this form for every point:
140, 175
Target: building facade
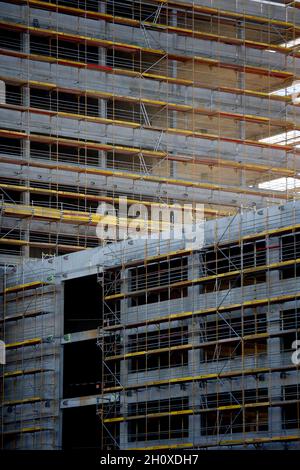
151, 344
186, 102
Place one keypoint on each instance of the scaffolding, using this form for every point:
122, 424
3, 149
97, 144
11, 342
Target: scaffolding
28, 403
161, 103
162, 84
229, 343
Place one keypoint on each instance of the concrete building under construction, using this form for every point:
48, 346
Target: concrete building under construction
150, 343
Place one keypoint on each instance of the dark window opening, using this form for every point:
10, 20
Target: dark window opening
82, 304
81, 428
10, 146
123, 60
10, 40
13, 94
287, 341
158, 406
159, 274
7, 195
290, 319
291, 392
290, 247
291, 416
39, 45
82, 369
214, 400
159, 361
233, 258
39, 150
226, 351
232, 283
290, 271
158, 339
230, 327
82, 4
154, 297
172, 427
223, 422
40, 98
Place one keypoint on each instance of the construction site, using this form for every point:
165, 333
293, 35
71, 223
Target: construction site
121, 342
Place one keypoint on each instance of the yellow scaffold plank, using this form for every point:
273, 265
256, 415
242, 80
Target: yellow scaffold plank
68, 216
151, 76
20, 372
207, 311
198, 378
23, 401
166, 446
185, 347
257, 440
206, 36
27, 342
219, 13
159, 103
85, 196
26, 286
199, 280
26, 430
168, 130
17, 242
187, 412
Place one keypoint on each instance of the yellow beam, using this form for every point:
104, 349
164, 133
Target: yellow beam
186, 347
68, 216
159, 77
59, 246
168, 130
255, 235
198, 378
152, 178
218, 13
187, 412
195, 159
208, 311
158, 103
26, 430
229, 442
84, 196
21, 372
23, 401
165, 446
206, 36
20, 344
26, 286
191, 282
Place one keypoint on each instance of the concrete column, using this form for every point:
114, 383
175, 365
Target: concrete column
124, 369
25, 46
194, 355
25, 199
172, 115
102, 104
273, 315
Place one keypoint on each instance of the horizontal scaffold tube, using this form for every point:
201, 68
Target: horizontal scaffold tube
168, 130
196, 411
204, 344
159, 77
279, 299
195, 159
196, 34
174, 5
199, 280
212, 113
199, 378
229, 442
